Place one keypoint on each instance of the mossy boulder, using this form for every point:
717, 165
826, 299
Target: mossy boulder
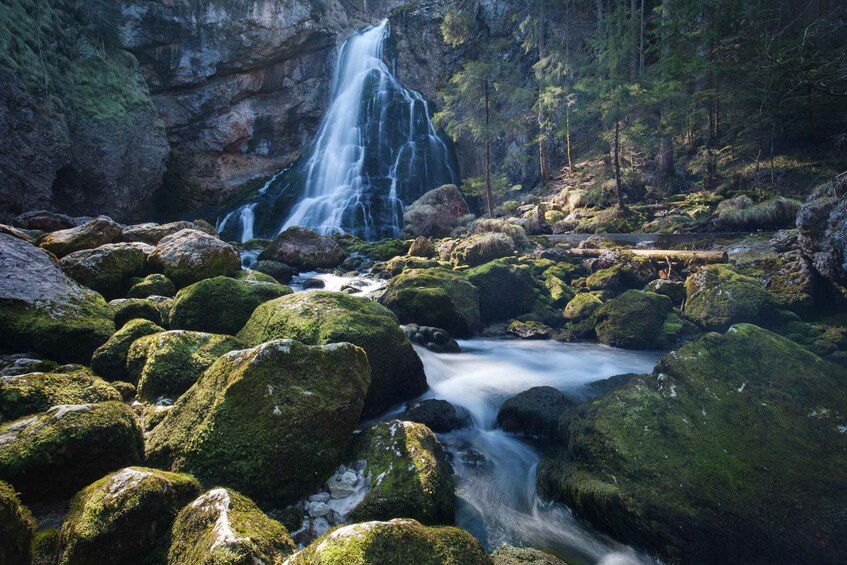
435, 297
126, 309
409, 472
510, 555
732, 450
79, 443
130, 512
478, 249
281, 272
156, 284
529, 330
320, 317
675, 290
97, 232
222, 527
534, 412
304, 249
44, 311
505, 290
625, 272
108, 268
221, 304
581, 307
109, 360
17, 528
188, 256
560, 293
718, 297
436, 213
166, 364
22, 395
44, 546
438, 415
272, 421
633, 320
422, 247
396, 542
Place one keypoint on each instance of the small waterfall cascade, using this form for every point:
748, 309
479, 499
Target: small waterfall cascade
375, 151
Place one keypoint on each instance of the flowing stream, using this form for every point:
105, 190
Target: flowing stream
497, 501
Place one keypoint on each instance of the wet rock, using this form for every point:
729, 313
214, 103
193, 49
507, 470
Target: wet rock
534, 412
97, 232
188, 256
304, 249
108, 268
281, 272
313, 284
529, 330
510, 555
43, 310
474, 458
434, 339
436, 213
272, 421
438, 415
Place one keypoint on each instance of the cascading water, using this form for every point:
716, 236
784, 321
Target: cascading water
376, 150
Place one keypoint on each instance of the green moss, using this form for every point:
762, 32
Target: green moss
397, 542
435, 297
109, 360
255, 537
718, 297
479, 249
251, 276
44, 548
168, 363
36, 392
379, 250
509, 555
221, 304
130, 512
727, 430
410, 474
127, 309
560, 293
581, 307
633, 320
505, 291
151, 285
79, 443
272, 421
17, 528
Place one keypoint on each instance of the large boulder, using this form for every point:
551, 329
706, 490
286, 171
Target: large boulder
435, 297
43, 310
109, 360
166, 364
510, 555
222, 527
732, 450
108, 268
396, 542
77, 442
130, 512
221, 304
534, 412
436, 213
188, 256
17, 527
320, 317
47, 221
718, 297
271, 421
155, 309
26, 394
438, 415
505, 291
634, 320
304, 249
822, 226
409, 472
152, 233
156, 284
97, 232
476, 249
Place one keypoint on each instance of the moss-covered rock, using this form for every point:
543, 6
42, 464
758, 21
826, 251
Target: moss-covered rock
634, 320
127, 309
510, 555
479, 249
168, 363
718, 297
422, 247
254, 276
44, 311
108, 268
271, 421
97, 232
438, 415
17, 528
529, 330
319, 317
675, 290
304, 249
581, 307
505, 290
79, 443
534, 412
560, 293
125, 517
156, 284
624, 272
732, 450
789, 277
109, 360
280, 272
221, 304
22, 395
396, 542
44, 546
188, 256
379, 250
222, 527
435, 297
409, 472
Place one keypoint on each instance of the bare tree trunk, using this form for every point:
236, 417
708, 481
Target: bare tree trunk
633, 31
568, 133
617, 151
600, 18
489, 197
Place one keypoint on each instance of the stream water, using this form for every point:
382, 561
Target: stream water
497, 501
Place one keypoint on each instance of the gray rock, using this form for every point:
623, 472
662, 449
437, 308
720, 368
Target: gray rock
436, 213
97, 232
303, 249
152, 233
534, 412
822, 226
438, 415
108, 268
190, 255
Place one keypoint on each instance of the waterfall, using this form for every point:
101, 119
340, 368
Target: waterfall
376, 150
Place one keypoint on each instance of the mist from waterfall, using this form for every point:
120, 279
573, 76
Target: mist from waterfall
376, 150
